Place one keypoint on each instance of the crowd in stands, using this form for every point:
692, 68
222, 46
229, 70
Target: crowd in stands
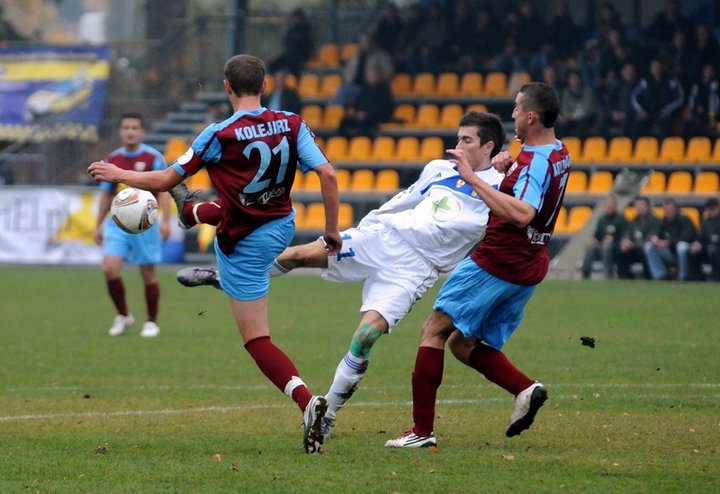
668, 246
613, 78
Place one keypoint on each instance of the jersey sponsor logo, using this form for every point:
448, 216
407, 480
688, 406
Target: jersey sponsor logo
349, 254
536, 237
264, 129
446, 208
250, 199
140, 166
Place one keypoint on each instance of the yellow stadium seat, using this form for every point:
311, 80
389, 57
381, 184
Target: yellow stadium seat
383, 149
359, 148
428, 116
646, 150
312, 115
269, 84
707, 182
450, 116
299, 215
594, 150
403, 115
655, 184
407, 149
577, 217
517, 80
311, 182
601, 182
424, 84
336, 148
672, 150
362, 180
496, 84
561, 221
577, 182
387, 181
345, 216
299, 179
479, 107
328, 55
201, 180
699, 149
332, 116
693, 214
329, 85
514, 148
348, 51
620, 150
447, 84
573, 145
716, 152
343, 178
174, 148
471, 84
402, 85
630, 213
314, 216
291, 81
431, 148
679, 182
309, 85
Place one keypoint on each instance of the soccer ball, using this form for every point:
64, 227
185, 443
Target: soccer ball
134, 210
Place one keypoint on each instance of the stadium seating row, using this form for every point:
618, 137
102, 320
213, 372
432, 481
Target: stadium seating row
572, 219
361, 180
622, 150
676, 182
407, 149
312, 216
331, 55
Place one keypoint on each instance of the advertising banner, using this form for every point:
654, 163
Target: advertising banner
52, 92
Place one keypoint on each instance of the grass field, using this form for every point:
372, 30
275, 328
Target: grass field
189, 412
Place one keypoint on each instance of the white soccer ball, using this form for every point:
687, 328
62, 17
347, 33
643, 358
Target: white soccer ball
134, 210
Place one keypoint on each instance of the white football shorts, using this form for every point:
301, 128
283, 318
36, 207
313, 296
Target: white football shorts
394, 275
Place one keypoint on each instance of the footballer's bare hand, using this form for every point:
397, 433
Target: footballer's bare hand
332, 243
502, 161
463, 165
101, 170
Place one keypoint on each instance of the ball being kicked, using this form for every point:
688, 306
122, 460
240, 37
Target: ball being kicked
134, 210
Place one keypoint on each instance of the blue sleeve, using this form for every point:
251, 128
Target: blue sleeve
159, 162
107, 186
532, 184
206, 145
309, 154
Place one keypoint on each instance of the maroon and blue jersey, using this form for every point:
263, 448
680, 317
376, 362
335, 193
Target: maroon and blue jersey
519, 255
143, 159
251, 159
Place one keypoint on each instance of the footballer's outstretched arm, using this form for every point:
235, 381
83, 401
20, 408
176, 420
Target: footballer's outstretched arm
158, 180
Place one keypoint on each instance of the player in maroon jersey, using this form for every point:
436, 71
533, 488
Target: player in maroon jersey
482, 301
143, 249
251, 159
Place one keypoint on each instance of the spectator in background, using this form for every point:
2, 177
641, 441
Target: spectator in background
703, 107
282, 97
670, 243
407, 41
298, 44
565, 36
372, 106
656, 101
389, 28
638, 233
705, 50
707, 246
460, 38
579, 108
533, 30
430, 51
610, 229
619, 113
676, 55
609, 20
487, 37
367, 54
667, 22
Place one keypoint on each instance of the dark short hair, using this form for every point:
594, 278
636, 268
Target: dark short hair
134, 115
542, 99
245, 74
490, 128
644, 199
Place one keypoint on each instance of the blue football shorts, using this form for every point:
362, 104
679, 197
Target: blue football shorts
482, 305
137, 248
244, 274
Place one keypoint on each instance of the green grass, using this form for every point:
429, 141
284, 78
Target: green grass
83, 412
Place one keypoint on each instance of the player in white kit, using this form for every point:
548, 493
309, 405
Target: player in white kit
399, 250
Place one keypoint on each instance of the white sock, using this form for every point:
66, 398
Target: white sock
276, 269
348, 375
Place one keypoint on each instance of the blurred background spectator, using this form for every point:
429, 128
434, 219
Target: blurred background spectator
373, 106
298, 44
282, 97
